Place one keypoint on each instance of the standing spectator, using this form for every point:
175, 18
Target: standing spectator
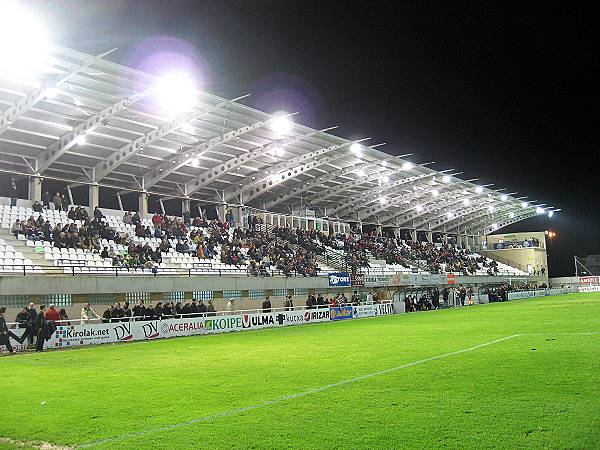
62, 313
40, 326
65, 202
13, 192
4, 336
126, 312
46, 199
87, 313
107, 314
370, 298
52, 314
57, 202
32, 313
266, 305
231, 306
229, 218
211, 309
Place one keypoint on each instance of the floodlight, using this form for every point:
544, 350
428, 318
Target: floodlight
466, 201
281, 124
187, 128
512, 215
419, 208
495, 226
50, 93
550, 213
524, 205
504, 197
407, 166
384, 163
382, 200
449, 214
491, 208
435, 192
360, 173
175, 92
80, 140
195, 162
385, 178
539, 210
24, 45
355, 148
478, 189
446, 179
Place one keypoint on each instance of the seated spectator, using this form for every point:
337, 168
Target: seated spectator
37, 207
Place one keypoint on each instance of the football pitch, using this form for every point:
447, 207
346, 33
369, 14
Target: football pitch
522, 374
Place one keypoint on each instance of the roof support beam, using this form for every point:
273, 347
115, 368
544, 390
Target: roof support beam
293, 167
103, 168
482, 226
67, 140
9, 116
410, 210
366, 197
318, 181
360, 180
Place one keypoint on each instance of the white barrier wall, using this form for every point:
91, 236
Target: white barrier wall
104, 333
537, 293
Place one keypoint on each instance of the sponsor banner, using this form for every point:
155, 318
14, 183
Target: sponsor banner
589, 288
358, 312
339, 279
103, 333
376, 280
382, 309
358, 280
223, 324
317, 315
451, 278
588, 280
341, 313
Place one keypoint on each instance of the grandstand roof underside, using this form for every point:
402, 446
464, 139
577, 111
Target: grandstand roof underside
222, 151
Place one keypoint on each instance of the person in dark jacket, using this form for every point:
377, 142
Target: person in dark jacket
139, 310
126, 312
194, 308
40, 327
266, 305
4, 336
202, 308
107, 314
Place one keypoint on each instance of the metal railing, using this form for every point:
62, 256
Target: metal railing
83, 270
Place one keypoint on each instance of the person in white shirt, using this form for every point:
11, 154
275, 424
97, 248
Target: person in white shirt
230, 306
370, 298
88, 313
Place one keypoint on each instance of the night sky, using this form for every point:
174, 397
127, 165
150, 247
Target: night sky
503, 93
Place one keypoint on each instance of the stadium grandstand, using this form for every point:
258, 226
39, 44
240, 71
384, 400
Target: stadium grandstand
261, 196
261, 244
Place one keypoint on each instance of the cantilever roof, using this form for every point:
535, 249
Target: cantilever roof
222, 150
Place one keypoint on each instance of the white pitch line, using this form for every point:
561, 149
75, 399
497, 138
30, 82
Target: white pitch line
287, 397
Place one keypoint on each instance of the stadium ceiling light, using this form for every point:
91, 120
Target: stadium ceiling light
478, 189
195, 162
385, 178
382, 200
495, 226
407, 165
281, 123
550, 213
384, 163
187, 128
466, 201
524, 205
419, 208
80, 140
24, 44
446, 179
539, 210
360, 173
175, 92
504, 197
50, 93
355, 148
435, 192
512, 215
491, 208
449, 214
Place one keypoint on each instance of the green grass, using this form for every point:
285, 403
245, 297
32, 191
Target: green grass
540, 389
